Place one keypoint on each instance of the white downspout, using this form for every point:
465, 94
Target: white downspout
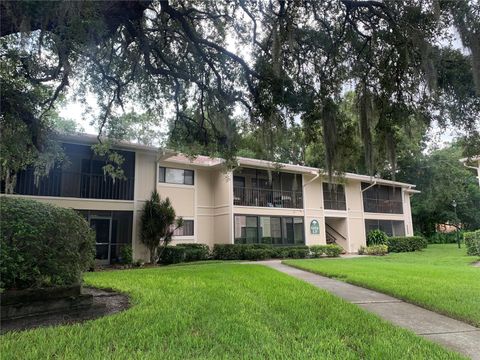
312, 180
368, 187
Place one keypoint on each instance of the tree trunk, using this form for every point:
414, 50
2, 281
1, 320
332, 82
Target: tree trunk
153, 251
10, 182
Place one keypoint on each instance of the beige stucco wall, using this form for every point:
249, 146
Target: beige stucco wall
313, 205
145, 178
355, 218
407, 210
222, 231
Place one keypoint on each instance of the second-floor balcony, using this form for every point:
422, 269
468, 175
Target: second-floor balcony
383, 206
74, 184
244, 196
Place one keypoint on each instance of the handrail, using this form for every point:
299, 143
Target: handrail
335, 231
248, 196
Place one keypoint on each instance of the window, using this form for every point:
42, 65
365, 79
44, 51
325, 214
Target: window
185, 230
389, 227
175, 176
382, 199
274, 230
334, 197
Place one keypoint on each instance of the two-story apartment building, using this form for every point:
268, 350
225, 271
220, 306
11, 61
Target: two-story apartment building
258, 202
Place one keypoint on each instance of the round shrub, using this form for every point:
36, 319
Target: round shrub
195, 252
42, 245
377, 237
373, 250
172, 255
332, 250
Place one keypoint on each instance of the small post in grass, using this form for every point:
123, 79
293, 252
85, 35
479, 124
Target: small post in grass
454, 204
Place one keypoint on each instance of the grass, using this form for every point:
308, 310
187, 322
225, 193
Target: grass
222, 311
439, 278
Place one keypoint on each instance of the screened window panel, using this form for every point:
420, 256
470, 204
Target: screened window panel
298, 231
188, 177
175, 176
186, 229
161, 174
334, 197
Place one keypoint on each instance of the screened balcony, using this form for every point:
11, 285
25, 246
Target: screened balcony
81, 177
255, 187
382, 199
334, 197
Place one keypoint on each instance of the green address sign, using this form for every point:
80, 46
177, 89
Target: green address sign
314, 227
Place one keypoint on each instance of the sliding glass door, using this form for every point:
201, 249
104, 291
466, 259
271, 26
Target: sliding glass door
274, 230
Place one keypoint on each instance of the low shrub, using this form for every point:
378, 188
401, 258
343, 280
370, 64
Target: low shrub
279, 252
298, 252
244, 252
406, 243
376, 237
226, 252
472, 242
316, 250
331, 250
42, 245
126, 256
172, 255
195, 252
251, 253
380, 249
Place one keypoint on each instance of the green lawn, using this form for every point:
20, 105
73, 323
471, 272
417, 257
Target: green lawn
439, 278
222, 311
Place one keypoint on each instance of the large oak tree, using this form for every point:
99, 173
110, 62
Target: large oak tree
274, 61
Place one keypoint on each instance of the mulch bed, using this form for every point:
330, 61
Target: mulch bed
105, 302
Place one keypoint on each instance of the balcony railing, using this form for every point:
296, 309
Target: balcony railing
75, 184
383, 206
244, 196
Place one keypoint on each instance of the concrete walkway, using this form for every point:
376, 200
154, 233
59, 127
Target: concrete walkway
454, 334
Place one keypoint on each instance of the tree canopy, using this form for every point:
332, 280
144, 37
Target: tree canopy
442, 179
273, 63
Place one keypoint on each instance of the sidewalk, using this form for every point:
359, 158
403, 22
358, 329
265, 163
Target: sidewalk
451, 333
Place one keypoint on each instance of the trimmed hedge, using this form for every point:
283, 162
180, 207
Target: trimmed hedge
379, 249
172, 255
406, 243
258, 252
42, 245
195, 252
472, 242
330, 250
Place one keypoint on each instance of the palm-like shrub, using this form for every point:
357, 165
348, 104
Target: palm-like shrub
377, 237
158, 224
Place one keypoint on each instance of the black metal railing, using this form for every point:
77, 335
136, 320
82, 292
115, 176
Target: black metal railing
334, 205
383, 206
74, 184
245, 196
